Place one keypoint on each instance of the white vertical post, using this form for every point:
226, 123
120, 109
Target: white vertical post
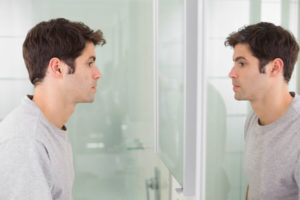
201, 102
190, 128
155, 74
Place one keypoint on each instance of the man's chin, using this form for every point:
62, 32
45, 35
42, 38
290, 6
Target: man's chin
90, 100
239, 98
87, 100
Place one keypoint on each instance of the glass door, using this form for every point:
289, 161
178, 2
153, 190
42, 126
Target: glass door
112, 138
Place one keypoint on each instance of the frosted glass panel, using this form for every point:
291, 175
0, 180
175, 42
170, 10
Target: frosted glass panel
171, 84
217, 181
112, 138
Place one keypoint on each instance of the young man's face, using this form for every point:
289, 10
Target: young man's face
81, 85
248, 83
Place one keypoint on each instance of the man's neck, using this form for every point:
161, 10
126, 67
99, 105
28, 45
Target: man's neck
55, 107
272, 106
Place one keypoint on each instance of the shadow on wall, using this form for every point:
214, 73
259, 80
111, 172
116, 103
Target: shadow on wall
217, 184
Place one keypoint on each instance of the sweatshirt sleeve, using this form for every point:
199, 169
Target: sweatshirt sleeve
24, 170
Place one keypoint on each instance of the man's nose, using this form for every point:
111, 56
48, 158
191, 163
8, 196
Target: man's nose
97, 74
232, 74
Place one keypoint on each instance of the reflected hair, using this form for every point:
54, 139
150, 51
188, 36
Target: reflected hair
266, 42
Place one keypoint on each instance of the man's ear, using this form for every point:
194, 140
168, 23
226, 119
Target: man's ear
276, 67
57, 67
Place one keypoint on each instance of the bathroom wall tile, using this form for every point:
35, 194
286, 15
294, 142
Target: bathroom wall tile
12, 92
12, 64
226, 16
268, 8
16, 17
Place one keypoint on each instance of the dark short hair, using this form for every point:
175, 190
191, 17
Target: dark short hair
267, 42
58, 38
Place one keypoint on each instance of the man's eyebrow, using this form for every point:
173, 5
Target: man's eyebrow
239, 58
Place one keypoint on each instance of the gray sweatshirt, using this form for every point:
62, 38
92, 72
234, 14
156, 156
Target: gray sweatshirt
272, 156
35, 157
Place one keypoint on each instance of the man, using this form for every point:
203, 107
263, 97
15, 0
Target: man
264, 58
35, 153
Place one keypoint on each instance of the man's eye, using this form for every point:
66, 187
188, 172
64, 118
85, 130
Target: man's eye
90, 63
242, 64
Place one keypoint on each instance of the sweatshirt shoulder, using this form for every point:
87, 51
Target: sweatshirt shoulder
20, 123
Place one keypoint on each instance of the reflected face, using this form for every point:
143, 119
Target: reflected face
82, 84
248, 83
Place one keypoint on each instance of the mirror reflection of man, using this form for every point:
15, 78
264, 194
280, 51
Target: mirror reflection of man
264, 58
35, 153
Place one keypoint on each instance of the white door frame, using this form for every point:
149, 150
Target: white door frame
194, 154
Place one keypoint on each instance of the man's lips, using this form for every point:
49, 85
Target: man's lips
235, 87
